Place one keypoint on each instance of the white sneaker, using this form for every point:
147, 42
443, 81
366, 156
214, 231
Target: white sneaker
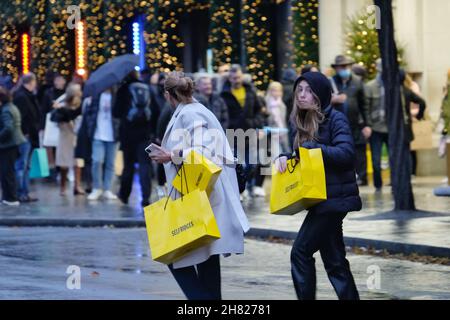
108, 195
259, 192
11, 203
95, 194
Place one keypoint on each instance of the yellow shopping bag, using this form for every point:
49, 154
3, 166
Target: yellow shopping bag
177, 227
301, 186
201, 173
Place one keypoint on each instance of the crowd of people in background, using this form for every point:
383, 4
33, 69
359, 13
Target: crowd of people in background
92, 129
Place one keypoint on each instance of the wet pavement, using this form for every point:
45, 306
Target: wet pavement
430, 228
115, 264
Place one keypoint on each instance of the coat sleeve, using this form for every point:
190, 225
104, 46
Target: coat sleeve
121, 103
369, 103
421, 102
8, 125
224, 118
341, 151
362, 104
199, 136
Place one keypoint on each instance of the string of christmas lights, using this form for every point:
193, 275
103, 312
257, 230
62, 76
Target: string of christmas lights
305, 32
108, 25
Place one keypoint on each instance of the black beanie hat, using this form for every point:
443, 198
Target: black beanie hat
319, 84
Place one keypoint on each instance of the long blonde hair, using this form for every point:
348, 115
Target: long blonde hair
306, 121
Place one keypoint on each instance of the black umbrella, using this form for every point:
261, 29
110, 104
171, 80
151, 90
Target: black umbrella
109, 74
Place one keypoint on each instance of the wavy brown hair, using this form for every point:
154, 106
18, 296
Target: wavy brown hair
306, 121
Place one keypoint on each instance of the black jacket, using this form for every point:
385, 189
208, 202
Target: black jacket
338, 150
131, 132
335, 139
408, 97
50, 95
357, 112
248, 117
30, 113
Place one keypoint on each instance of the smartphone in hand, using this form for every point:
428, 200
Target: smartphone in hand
151, 148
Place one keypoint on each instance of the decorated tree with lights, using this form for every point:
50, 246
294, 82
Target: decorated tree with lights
257, 37
362, 43
306, 32
224, 32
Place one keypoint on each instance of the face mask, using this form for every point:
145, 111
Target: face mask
344, 74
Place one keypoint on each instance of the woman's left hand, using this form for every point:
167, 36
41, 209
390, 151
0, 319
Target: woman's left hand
161, 155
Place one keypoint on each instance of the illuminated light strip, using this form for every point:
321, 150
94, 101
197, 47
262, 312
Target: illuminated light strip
138, 43
136, 39
80, 48
25, 53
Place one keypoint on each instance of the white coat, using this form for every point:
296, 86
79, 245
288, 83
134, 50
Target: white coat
195, 121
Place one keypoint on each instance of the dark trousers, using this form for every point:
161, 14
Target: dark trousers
161, 175
361, 162
200, 282
321, 232
8, 157
135, 153
413, 162
376, 145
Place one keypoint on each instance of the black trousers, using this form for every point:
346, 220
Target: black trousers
361, 162
321, 232
135, 153
8, 157
200, 282
413, 162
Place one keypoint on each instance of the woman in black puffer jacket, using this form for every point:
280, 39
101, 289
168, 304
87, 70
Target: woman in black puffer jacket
317, 125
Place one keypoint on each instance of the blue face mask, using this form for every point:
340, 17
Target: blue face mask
344, 74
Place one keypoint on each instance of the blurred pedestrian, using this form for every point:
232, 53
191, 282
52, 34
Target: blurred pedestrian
10, 138
25, 99
50, 96
244, 110
6, 80
445, 116
103, 131
376, 104
277, 114
138, 113
318, 125
205, 95
414, 105
349, 98
309, 68
66, 113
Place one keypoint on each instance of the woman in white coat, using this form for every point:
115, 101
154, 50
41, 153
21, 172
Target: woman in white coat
193, 126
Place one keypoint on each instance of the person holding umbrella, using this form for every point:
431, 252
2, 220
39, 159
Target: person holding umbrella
102, 126
138, 113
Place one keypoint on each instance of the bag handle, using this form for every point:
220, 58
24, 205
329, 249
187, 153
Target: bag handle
293, 166
179, 173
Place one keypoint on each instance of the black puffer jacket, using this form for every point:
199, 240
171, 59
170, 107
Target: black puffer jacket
338, 150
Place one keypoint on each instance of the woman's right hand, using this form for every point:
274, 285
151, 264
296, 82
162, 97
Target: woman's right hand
281, 164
